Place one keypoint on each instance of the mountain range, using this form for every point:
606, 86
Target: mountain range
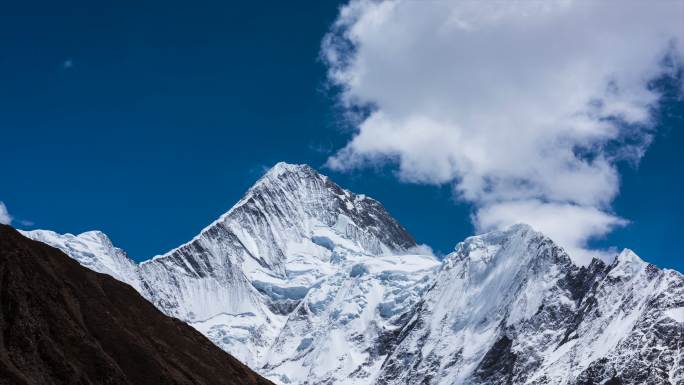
308, 283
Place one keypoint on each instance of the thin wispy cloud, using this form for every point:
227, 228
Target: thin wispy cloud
5, 217
525, 107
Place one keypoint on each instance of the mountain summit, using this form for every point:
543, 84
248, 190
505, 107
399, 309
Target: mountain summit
309, 283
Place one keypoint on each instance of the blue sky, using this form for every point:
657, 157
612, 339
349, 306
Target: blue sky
147, 122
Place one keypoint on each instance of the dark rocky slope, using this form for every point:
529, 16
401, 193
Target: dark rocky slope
61, 323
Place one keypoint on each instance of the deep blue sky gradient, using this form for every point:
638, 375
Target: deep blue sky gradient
147, 121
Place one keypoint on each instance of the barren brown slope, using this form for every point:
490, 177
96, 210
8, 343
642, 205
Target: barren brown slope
64, 324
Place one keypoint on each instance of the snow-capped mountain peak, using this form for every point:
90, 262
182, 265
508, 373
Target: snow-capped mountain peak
282, 169
509, 307
294, 202
627, 264
240, 277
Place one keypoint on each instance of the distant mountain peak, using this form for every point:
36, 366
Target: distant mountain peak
627, 265
485, 248
629, 256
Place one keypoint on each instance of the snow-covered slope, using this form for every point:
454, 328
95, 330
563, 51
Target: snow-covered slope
311, 284
511, 308
94, 250
342, 330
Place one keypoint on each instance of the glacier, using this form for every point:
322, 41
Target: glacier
309, 283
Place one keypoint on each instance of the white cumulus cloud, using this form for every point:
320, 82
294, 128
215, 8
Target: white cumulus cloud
524, 106
5, 217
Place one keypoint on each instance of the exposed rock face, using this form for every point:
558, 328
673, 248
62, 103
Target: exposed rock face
64, 324
312, 284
